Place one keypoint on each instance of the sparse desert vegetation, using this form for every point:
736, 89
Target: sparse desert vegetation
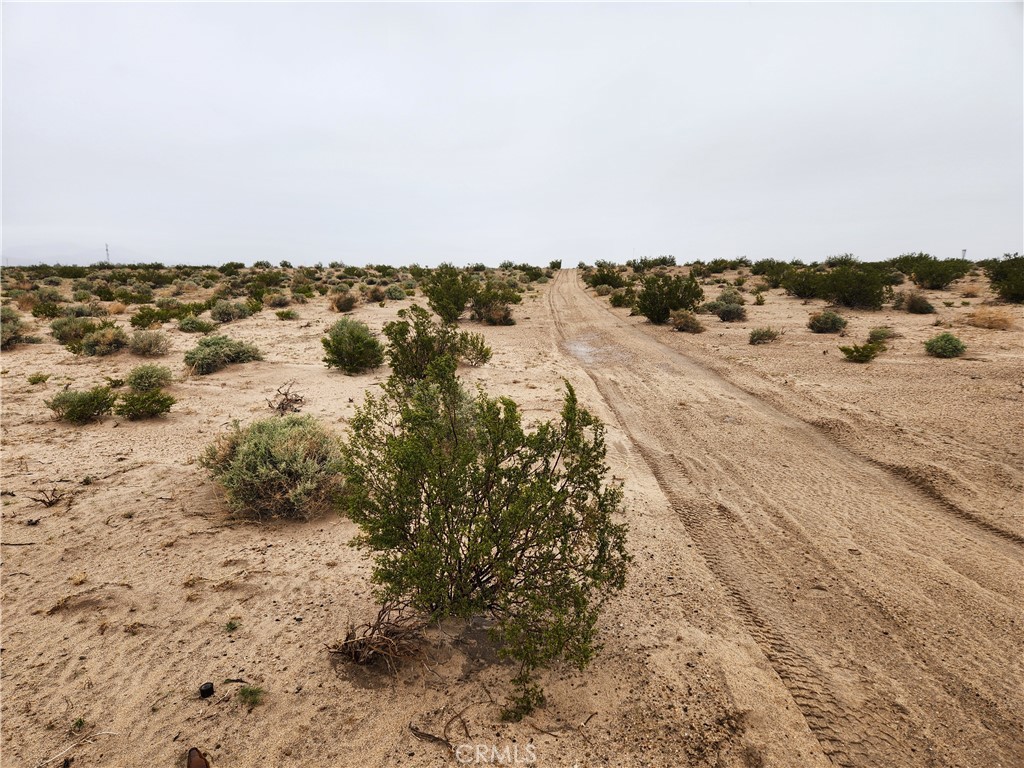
499, 551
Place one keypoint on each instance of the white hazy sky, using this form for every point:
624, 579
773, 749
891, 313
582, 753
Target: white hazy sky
205, 133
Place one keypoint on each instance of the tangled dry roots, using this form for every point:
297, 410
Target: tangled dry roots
394, 635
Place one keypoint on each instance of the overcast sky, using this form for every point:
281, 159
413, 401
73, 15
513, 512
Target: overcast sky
190, 133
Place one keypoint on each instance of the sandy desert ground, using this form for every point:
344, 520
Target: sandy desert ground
829, 558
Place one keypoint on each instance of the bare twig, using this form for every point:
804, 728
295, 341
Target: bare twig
17, 543
86, 740
286, 401
48, 498
424, 736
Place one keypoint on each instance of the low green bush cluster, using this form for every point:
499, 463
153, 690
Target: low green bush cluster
286, 314
686, 321
145, 378
622, 297
287, 466
149, 343
917, 304
492, 303
826, 322
395, 292
881, 334
147, 404
344, 302
105, 340
862, 353
660, 295
1007, 276
763, 335
215, 352
351, 346
945, 345
225, 311
416, 341
11, 327
192, 324
84, 406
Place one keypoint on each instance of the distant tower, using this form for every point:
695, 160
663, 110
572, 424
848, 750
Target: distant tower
963, 254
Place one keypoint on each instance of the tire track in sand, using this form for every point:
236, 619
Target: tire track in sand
894, 627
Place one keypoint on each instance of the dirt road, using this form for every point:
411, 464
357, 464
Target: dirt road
894, 625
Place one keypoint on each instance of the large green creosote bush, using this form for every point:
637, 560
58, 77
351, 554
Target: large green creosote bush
449, 290
286, 466
661, 294
351, 346
416, 341
1007, 276
492, 303
468, 514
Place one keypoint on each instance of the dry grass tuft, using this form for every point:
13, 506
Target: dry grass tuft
116, 308
991, 317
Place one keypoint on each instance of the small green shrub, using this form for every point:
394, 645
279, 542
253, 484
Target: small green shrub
351, 346
192, 324
603, 289
416, 341
225, 311
344, 302
945, 345
492, 304
38, 378
285, 466
149, 343
104, 341
149, 316
759, 299
286, 314
917, 304
826, 322
276, 300
622, 297
395, 292
144, 378
148, 404
251, 695
880, 335
11, 328
81, 407
685, 321
731, 296
661, 294
1007, 276
473, 349
215, 352
448, 291
70, 331
862, 353
763, 335
731, 313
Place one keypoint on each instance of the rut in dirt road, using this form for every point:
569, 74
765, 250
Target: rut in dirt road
894, 625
